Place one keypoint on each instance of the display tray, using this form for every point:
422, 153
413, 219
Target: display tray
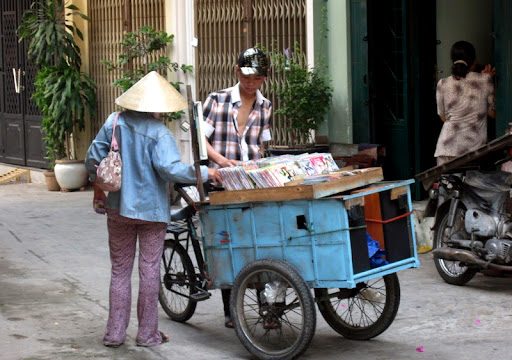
349, 180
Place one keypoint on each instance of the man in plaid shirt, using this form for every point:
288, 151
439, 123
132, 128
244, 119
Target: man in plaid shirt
238, 123
238, 118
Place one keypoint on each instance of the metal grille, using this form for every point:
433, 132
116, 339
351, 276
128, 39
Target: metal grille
30, 69
9, 23
30, 75
226, 27
107, 26
220, 34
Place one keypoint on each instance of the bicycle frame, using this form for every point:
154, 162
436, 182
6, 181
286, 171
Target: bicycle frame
192, 239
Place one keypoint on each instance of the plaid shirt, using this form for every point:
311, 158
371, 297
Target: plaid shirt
220, 111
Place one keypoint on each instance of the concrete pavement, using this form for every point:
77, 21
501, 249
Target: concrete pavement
54, 277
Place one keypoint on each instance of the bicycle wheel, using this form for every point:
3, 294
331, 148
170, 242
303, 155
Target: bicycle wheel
363, 312
176, 285
272, 310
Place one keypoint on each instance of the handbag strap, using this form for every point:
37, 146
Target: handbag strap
113, 144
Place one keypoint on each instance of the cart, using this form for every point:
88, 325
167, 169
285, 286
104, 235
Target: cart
272, 252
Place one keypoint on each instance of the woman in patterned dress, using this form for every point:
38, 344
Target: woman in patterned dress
464, 101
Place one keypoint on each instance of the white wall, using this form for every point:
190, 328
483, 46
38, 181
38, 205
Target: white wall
179, 17
340, 128
469, 20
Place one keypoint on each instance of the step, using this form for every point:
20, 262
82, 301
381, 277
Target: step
10, 174
15, 176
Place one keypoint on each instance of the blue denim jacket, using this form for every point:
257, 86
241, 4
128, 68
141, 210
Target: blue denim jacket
151, 160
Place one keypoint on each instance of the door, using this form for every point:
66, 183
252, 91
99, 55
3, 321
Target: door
362, 131
388, 86
393, 81
20, 122
503, 60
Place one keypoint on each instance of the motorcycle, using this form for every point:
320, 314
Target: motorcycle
472, 227
470, 199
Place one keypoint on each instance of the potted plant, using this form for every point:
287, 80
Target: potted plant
145, 50
145, 47
63, 94
304, 95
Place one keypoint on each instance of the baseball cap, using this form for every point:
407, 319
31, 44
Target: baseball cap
253, 61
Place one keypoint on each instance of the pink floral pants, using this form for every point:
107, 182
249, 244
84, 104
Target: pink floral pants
123, 233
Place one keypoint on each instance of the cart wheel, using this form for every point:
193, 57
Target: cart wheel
177, 276
363, 312
272, 310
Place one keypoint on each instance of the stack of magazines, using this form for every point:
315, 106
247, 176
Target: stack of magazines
277, 171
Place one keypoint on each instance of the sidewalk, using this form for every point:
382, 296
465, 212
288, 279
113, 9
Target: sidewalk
54, 276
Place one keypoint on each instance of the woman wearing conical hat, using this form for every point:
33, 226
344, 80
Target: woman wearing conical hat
140, 209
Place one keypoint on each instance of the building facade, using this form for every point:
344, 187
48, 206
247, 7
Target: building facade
384, 59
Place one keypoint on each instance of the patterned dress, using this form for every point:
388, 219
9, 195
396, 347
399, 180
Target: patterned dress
464, 104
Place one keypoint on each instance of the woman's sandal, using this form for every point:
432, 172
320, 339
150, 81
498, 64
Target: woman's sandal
165, 339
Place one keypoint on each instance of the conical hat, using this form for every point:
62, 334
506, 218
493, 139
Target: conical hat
152, 93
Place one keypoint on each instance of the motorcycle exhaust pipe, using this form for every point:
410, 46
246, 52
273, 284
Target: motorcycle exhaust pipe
467, 257
453, 254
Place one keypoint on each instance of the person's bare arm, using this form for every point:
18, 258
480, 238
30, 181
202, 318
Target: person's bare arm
263, 148
213, 174
491, 112
218, 158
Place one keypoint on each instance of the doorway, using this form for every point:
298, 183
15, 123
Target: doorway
406, 44
469, 20
487, 25
21, 141
394, 87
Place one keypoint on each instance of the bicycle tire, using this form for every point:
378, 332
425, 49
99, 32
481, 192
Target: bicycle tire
178, 274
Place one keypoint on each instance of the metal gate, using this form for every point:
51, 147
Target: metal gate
109, 21
226, 27
20, 121
223, 28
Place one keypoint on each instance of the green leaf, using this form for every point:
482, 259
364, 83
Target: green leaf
79, 33
139, 46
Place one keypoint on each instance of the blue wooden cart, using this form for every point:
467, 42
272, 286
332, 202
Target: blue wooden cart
272, 253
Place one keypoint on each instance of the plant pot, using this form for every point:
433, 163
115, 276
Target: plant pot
71, 174
51, 181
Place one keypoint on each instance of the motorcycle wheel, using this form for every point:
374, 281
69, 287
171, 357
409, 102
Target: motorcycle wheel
453, 272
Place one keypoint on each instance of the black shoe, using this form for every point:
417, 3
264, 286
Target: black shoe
228, 322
